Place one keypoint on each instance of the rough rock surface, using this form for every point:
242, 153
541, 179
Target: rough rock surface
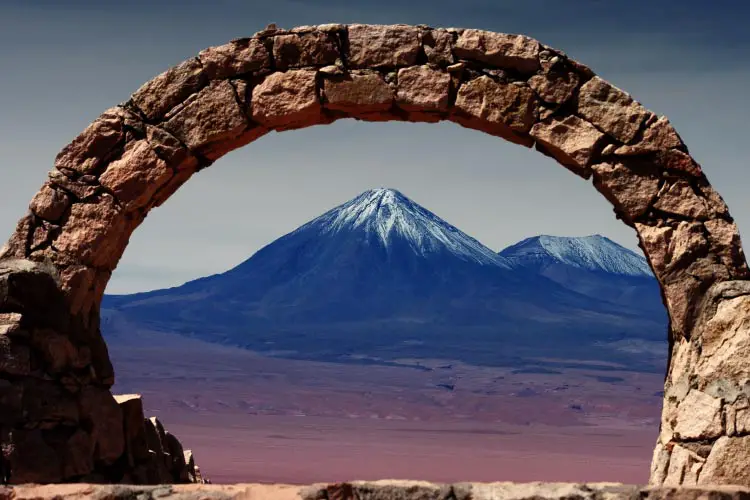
380, 490
58, 420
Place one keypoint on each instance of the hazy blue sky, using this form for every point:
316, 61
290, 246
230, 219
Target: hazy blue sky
63, 63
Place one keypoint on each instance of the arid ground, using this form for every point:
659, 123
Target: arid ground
253, 418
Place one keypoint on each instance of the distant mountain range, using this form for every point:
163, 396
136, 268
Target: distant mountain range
381, 279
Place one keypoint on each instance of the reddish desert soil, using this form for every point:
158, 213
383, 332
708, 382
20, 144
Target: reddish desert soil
250, 418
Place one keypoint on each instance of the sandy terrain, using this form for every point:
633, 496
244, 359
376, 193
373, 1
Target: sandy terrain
254, 418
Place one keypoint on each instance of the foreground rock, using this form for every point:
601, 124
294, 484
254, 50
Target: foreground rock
378, 490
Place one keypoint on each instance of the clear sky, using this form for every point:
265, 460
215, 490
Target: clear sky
64, 62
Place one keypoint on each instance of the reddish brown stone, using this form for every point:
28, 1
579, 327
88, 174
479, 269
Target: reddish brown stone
43, 235
555, 87
421, 88
170, 149
491, 106
679, 198
136, 446
438, 47
660, 136
91, 149
668, 248
675, 159
95, 233
516, 52
104, 417
157, 96
238, 57
17, 245
610, 109
77, 283
80, 190
377, 46
49, 203
209, 120
136, 175
287, 99
358, 92
309, 49
571, 141
686, 244
631, 193
725, 242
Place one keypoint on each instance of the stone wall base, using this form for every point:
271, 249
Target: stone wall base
378, 490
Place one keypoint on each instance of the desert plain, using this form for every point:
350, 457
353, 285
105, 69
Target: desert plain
251, 417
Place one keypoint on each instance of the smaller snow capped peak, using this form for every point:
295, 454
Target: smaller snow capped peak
383, 195
388, 214
593, 253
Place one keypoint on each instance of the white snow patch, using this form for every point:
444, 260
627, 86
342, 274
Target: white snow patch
593, 253
389, 214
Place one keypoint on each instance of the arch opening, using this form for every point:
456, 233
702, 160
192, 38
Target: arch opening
56, 265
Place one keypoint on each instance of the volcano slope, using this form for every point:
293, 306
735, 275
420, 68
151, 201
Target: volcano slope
380, 278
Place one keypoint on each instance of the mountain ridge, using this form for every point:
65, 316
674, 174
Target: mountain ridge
593, 253
378, 270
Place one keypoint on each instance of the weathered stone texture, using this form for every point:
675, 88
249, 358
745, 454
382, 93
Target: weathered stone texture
571, 141
659, 136
438, 47
382, 46
287, 99
238, 57
210, 120
502, 109
610, 109
359, 92
421, 88
91, 149
309, 49
555, 87
681, 199
698, 417
516, 52
136, 176
157, 96
95, 233
50, 203
630, 192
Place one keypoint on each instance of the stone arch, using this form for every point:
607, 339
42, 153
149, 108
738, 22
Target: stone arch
55, 372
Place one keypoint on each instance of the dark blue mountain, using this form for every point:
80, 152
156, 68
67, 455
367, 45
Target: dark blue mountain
382, 276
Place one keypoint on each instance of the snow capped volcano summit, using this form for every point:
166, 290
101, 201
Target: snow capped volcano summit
387, 215
591, 253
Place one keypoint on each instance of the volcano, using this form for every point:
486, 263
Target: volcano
381, 277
